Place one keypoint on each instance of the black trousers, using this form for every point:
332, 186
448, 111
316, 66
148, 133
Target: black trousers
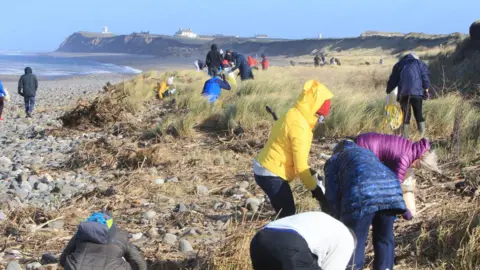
416, 103
273, 249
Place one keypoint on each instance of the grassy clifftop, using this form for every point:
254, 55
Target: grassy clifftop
161, 45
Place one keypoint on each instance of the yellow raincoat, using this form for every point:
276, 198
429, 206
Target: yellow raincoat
286, 151
161, 89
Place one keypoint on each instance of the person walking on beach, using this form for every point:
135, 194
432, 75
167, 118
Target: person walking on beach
308, 241
27, 88
3, 95
264, 62
285, 155
242, 65
213, 60
316, 61
361, 191
411, 76
100, 244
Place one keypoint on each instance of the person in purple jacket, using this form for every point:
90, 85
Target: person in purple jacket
399, 154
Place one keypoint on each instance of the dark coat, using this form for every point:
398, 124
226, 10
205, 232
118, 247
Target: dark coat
242, 65
96, 247
214, 58
410, 75
358, 184
28, 84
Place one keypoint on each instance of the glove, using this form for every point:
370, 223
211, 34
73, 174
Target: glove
426, 95
317, 193
407, 215
321, 118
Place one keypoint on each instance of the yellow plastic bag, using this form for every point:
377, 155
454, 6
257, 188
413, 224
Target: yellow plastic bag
408, 189
230, 76
393, 111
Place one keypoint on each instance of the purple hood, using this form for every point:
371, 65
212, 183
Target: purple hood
397, 153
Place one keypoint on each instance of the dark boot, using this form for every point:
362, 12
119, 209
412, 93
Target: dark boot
421, 129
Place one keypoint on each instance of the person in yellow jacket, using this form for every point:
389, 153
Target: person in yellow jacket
163, 88
285, 155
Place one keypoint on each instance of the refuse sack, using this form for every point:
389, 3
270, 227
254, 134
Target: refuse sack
230, 76
393, 111
408, 189
7, 95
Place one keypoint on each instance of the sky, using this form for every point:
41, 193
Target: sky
42, 25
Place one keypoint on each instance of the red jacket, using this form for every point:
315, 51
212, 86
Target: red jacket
251, 62
265, 63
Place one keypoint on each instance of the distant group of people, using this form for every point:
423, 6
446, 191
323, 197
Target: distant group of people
319, 60
27, 88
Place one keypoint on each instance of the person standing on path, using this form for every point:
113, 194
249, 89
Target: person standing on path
285, 155
3, 95
27, 88
361, 191
411, 76
308, 241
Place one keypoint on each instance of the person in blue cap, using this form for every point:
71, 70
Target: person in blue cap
100, 244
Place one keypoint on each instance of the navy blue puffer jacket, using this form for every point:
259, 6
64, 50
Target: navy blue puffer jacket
358, 184
410, 75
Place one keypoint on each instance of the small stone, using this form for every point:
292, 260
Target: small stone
33, 266
46, 178
170, 239
159, 181
42, 187
136, 236
202, 190
26, 185
2, 216
21, 193
217, 206
150, 214
227, 206
153, 232
49, 267
195, 207
243, 184
192, 231
181, 208
13, 265
185, 246
48, 258
219, 161
252, 204
172, 180
57, 224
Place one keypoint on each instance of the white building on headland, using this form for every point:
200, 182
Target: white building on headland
186, 33
261, 36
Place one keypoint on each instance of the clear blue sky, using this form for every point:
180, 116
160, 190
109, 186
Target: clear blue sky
41, 25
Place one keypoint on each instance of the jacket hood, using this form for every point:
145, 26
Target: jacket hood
311, 99
91, 231
234, 54
419, 148
28, 70
214, 47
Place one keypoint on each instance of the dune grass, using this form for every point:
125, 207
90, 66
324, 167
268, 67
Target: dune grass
357, 107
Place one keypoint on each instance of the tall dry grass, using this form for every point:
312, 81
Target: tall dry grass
357, 107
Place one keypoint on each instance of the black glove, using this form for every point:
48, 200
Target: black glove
317, 193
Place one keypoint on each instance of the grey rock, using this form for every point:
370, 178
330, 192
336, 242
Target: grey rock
219, 161
243, 184
21, 193
49, 258
172, 180
57, 224
26, 186
202, 190
2, 216
252, 204
42, 187
181, 208
32, 179
34, 266
150, 214
13, 265
159, 181
170, 239
185, 246
5, 164
153, 232
46, 178
136, 236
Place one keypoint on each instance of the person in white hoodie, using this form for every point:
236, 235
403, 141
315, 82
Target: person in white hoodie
310, 240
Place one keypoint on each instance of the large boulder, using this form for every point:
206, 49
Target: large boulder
475, 31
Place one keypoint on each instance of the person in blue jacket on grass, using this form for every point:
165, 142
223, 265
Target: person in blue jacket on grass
213, 87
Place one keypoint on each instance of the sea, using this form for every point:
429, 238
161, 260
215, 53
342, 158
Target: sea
14, 63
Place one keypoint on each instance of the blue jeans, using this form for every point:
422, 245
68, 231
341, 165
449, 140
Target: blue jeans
383, 240
279, 193
29, 104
